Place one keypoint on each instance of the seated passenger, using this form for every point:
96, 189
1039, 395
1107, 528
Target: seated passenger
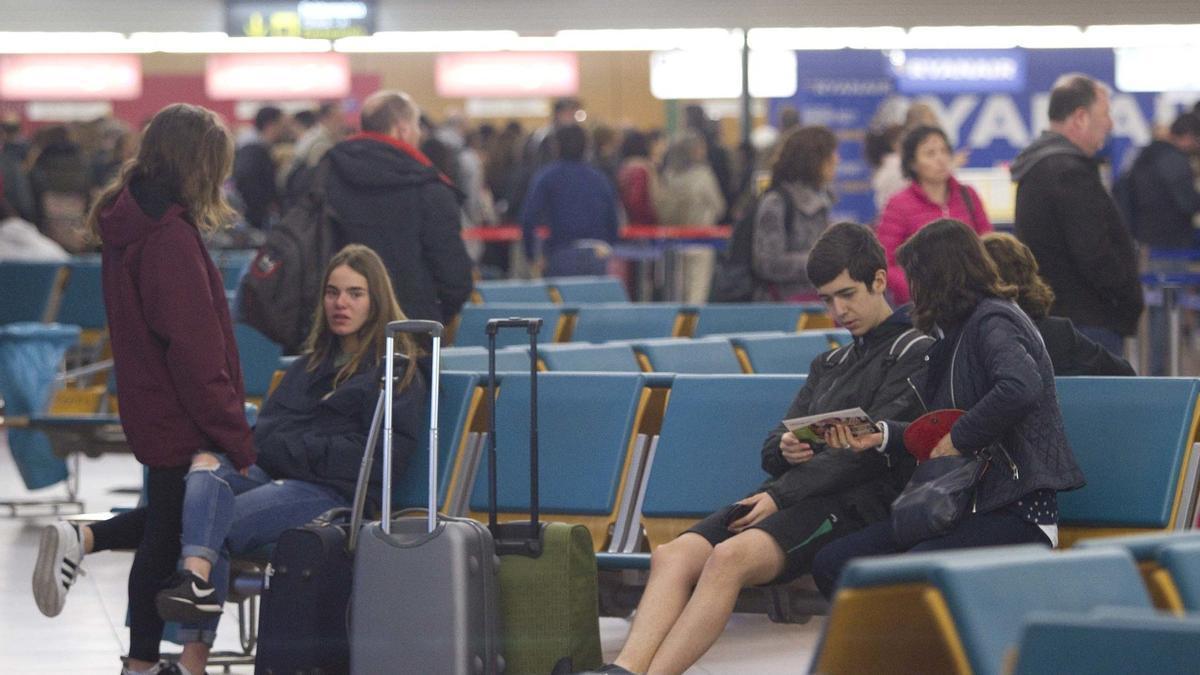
816, 494
1071, 352
310, 438
989, 361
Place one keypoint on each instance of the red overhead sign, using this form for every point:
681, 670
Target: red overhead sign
277, 77
70, 77
507, 74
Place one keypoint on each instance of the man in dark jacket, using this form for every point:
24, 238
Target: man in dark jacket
1160, 188
254, 170
384, 193
1070, 222
817, 493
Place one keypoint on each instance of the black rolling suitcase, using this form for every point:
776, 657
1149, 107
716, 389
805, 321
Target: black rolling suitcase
303, 623
425, 593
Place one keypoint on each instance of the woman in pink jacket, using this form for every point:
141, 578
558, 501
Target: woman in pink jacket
927, 160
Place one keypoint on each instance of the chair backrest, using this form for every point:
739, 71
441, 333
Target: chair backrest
705, 356
1131, 436
473, 320
734, 317
475, 359
581, 290
1108, 640
83, 298
32, 291
707, 455
782, 353
573, 356
259, 357
521, 291
1182, 560
458, 397
608, 322
586, 424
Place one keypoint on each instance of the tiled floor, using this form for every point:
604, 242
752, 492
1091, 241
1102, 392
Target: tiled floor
89, 636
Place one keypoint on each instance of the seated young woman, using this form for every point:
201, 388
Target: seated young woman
310, 438
990, 361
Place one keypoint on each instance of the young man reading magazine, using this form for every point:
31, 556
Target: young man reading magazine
817, 492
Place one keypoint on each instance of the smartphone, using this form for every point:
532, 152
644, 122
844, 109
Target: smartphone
735, 512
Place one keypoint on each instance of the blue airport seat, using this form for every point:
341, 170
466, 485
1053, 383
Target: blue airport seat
1133, 467
1181, 560
83, 299
232, 264
473, 319
965, 608
1143, 547
705, 356
1108, 641
31, 291
628, 321
583, 290
586, 428
459, 396
732, 318
707, 454
577, 356
259, 357
784, 354
475, 359
513, 290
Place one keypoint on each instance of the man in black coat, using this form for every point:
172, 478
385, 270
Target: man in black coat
254, 169
1070, 222
385, 193
1160, 188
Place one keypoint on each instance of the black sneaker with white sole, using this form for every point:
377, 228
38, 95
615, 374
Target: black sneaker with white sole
187, 599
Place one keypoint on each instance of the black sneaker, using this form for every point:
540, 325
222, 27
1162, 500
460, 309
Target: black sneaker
187, 599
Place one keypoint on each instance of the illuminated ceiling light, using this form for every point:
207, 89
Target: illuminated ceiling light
1150, 35
994, 37
63, 43
430, 41
220, 43
877, 37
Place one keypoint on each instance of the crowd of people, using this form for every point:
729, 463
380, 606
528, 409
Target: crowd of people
943, 312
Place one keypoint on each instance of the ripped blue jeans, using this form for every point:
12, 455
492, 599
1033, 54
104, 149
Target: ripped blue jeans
226, 513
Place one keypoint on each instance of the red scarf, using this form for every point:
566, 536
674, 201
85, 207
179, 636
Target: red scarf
402, 147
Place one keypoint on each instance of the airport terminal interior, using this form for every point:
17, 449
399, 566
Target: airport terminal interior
597, 168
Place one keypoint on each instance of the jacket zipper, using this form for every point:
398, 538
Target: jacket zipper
1016, 474
914, 388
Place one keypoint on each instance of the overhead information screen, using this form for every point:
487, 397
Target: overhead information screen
327, 19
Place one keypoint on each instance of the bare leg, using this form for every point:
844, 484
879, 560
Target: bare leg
137, 665
194, 657
86, 539
752, 557
674, 569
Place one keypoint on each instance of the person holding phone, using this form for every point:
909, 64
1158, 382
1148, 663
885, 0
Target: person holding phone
817, 492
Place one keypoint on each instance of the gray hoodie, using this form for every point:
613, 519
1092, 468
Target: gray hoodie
1050, 143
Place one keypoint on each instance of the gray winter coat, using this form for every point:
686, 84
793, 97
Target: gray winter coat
782, 260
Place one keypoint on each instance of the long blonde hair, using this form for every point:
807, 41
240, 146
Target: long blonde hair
188, 149
372, 337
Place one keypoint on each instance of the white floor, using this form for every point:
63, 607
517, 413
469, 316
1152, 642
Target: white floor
89, 636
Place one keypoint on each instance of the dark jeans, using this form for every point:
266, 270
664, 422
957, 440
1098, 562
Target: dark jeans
156, 557
976, 529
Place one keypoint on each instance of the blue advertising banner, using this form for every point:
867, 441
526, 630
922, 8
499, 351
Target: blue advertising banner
991, 104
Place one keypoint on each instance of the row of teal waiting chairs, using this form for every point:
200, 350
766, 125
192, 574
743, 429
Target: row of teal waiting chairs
771, 353
552, 289
605, 322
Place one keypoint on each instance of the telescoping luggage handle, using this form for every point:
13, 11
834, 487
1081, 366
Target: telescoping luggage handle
434, 329
530, 544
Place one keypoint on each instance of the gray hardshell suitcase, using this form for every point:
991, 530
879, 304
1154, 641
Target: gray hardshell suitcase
425, 596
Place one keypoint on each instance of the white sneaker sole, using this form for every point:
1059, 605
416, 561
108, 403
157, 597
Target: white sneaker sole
48, 592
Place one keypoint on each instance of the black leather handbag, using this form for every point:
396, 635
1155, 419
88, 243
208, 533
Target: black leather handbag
936, 497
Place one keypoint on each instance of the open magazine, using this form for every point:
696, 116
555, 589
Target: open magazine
812, 429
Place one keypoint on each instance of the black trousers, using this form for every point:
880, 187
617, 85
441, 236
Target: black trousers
996, 528
155, 530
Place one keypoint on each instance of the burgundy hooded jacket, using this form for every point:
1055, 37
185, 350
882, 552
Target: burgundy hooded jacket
178, 376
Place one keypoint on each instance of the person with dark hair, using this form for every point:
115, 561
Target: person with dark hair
541, 148
932, 193
1071, 223
793, 213
577, 204
1071, 352
60, 179
816, 494
254, 170
386, 194
20, 239
637, 179
696, 119
989, 361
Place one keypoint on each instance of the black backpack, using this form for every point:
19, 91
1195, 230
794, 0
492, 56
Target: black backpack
279, 291
733, 278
